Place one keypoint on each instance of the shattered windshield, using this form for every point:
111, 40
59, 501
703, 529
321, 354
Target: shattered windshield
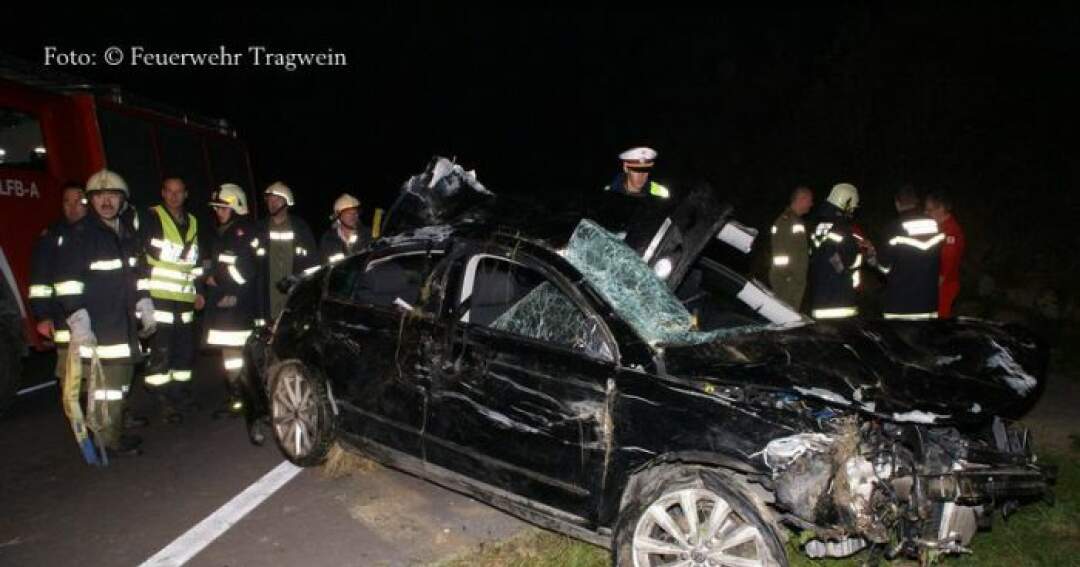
636, 294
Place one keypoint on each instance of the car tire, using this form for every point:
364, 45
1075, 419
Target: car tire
653, 508
301, 414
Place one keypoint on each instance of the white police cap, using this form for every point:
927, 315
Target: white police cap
639, 157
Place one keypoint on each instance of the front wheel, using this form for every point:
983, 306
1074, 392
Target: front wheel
693, 517
301, 415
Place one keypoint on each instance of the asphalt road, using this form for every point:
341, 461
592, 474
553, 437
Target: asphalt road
56, 510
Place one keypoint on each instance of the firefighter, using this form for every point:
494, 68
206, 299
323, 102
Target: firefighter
791, 249
346, 235
835, 256
107, 306
635, 204
289, 244
909, 261
47, 310
229, 289
170, 239
939, 207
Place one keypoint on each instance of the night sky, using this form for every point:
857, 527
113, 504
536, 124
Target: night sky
973, 99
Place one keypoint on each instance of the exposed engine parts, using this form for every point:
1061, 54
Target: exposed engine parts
908, 488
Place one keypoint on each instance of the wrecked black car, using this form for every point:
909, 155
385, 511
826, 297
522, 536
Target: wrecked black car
653, 401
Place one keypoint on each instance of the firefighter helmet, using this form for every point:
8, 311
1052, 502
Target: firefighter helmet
230, 196
106, 180
281, 190
845, 196
344, 203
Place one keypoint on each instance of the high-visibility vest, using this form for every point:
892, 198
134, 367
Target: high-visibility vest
173, 271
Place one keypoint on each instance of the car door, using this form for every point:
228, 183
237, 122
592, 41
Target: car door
369, 315
522, 403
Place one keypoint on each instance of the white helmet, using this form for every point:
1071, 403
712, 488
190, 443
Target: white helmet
845, 196
230, 196
345, 202
281, 190
106, 180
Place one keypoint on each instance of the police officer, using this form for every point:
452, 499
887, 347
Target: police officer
346, 235
791, 249
910, 261
106, 304
170, 238
835, 256
47, 310
229, 289
636, 205
289, 245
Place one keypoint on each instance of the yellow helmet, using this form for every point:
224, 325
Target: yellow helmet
281, 190
106, 180
230, 196
845, 196
345, 202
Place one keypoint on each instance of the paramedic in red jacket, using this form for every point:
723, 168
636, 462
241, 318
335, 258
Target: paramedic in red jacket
939, 208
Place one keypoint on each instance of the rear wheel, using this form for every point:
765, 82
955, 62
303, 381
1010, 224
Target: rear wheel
693, 517
301, 415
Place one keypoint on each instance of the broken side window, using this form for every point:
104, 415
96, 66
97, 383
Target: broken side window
507, 296
381, 281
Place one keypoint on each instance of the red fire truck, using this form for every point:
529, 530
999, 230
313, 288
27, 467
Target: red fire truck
56, 129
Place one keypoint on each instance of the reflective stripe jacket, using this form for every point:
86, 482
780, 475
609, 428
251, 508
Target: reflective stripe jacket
834, 264
333, 249
43, 302
790, 251
909, 259
232, 304
98, 270
172, 258
305, 254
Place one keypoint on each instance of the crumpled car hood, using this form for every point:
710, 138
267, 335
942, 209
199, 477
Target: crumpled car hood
927, 372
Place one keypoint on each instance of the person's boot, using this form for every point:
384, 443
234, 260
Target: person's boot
231, 408
257, 430
172, 416
134, 421
126, 446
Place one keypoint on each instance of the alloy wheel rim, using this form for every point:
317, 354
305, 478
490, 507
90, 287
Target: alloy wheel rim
695, 527
295, 415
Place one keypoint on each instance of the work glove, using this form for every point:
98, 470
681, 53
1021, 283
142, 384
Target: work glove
144, 308
81, 333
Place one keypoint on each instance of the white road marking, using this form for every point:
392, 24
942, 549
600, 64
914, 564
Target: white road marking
183, 548
25, 391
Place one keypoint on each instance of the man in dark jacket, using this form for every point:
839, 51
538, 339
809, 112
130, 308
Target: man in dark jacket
346, 235
910, 260
229, 289
836, 257
51, 320
290, 248
106, 303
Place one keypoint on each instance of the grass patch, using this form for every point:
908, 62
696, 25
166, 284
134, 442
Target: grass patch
340, 462
1036, 535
